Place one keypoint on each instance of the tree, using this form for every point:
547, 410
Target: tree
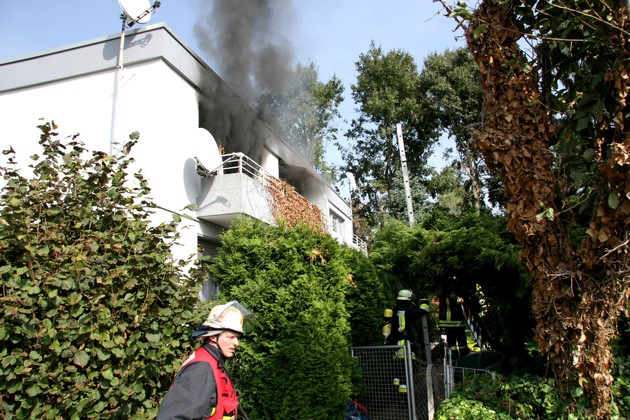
388, 91
447, 187
453, 84
475, 251
398, 207
93, 303
305, 112
557, 133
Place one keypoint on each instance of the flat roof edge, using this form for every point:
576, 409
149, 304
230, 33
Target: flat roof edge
93, 41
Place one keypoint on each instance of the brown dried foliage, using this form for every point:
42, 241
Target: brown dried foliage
577, 293
291, 207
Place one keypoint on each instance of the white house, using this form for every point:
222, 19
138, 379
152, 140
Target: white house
199, 142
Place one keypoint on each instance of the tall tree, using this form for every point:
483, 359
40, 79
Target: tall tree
557, 132
447, 188
453, 84
388, 91
306, 112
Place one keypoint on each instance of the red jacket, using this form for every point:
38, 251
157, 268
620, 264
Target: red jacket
201, 390
227, 400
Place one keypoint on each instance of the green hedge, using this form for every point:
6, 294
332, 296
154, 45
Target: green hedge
93, 304
296, 362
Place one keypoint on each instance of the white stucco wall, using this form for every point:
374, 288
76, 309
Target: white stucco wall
153, 100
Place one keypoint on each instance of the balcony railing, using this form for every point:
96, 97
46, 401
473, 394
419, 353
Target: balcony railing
239, 163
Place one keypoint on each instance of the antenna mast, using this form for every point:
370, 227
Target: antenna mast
134, 11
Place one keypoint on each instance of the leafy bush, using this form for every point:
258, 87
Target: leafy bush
296, 362
518, 396
475, 255
621, 352
92, 302
461, 408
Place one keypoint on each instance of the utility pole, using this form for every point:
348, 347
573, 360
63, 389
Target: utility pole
405, 173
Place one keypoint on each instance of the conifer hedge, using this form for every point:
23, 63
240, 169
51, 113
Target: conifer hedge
295, 363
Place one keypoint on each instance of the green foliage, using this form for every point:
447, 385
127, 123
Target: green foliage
476, 252
452, 80
296, 362
92, 302
581, 91
398, 208
392, 254
522, 397
447, 187
306, 112
462, 408
621, 352
388, 91
366, 299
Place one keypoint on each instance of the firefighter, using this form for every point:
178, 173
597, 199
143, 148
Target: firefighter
202, 389
452, 321
405, 314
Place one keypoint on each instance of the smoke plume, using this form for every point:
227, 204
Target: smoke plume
248, 43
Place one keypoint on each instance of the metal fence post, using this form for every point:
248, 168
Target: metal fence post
411, 393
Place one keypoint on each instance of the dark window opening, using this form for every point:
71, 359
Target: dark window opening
209, 247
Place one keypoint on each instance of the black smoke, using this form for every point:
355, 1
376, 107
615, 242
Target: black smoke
249, 44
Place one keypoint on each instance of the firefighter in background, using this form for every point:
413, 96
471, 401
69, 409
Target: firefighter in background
404, 316
453, 322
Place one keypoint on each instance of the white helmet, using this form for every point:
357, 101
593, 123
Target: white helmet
405, 294
228, 316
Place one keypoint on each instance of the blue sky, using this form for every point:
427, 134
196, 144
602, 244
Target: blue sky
331, 33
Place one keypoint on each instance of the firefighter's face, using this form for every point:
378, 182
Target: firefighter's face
227, 342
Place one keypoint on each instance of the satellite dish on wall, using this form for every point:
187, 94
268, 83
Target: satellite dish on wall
139, 11
206, 150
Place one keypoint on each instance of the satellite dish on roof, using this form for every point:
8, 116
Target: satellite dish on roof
139, 11
206, 150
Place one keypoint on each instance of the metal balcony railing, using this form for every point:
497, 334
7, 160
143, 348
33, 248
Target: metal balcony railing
359, 243
239, 163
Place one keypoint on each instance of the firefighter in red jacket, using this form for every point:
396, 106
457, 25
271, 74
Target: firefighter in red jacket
202, 388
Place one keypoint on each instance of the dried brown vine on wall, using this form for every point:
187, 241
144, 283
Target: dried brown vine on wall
293, 208
577, 294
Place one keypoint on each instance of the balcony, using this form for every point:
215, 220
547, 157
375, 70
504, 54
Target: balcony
242, 187
238, 187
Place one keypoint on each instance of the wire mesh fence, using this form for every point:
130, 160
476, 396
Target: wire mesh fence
395, 383
457, 373
398, 385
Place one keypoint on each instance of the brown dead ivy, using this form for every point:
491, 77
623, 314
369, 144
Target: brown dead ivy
291, 207
577, 293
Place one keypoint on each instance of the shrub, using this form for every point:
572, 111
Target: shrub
517, 396
92, 302
366, 299
296, 362
461, 408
